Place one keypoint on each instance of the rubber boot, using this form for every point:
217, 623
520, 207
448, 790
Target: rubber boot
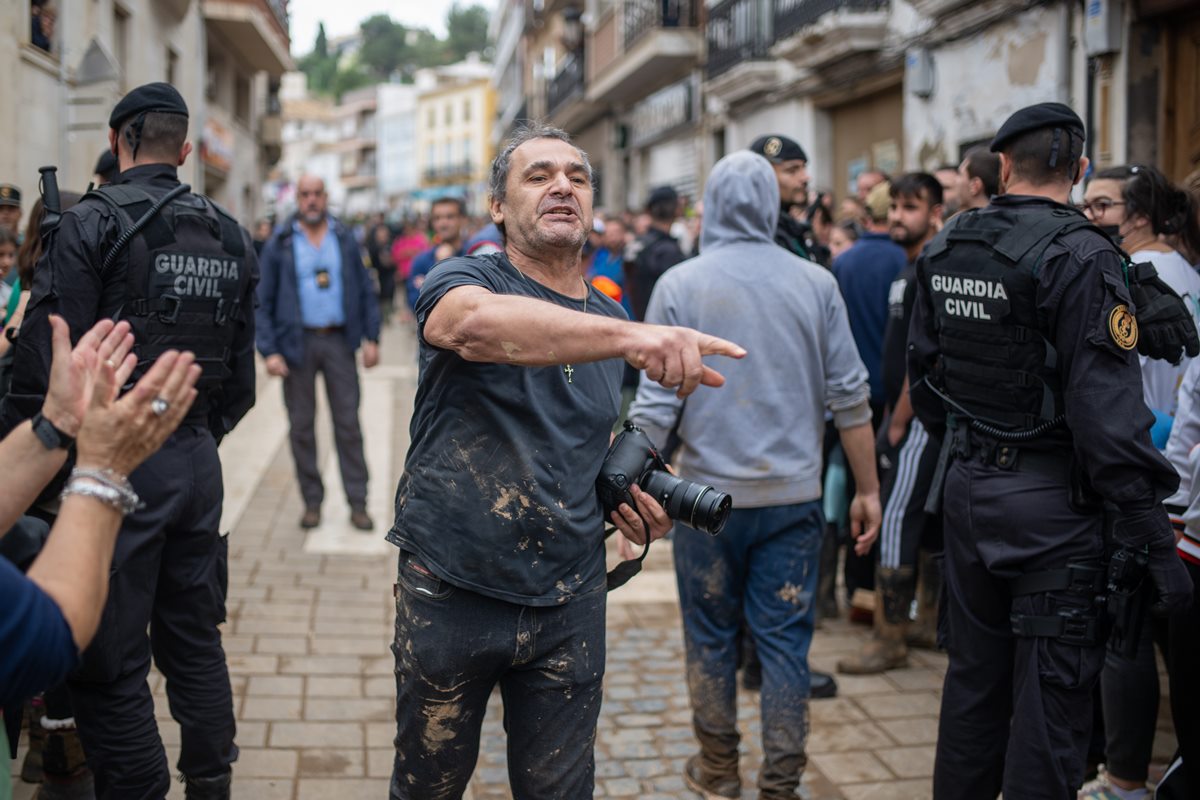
886, 649
923, 632
31, 767
827, 605
215, 787
65, 772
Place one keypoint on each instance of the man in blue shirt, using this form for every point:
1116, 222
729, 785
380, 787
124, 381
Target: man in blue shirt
447, 218
864, 274
316, 306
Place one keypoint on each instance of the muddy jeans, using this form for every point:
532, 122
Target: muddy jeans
453, 647
763, 565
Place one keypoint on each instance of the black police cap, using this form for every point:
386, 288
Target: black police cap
777, 149
1037, 117
160, 97
662, 195
10, 195
106, 165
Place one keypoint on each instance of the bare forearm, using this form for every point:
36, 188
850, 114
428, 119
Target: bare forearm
37, 467
902, 414
858, 443
73, 567
506, 329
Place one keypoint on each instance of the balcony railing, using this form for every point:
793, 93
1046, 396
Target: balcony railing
566, 84
447, 172
738, 31
792, 15
643, 16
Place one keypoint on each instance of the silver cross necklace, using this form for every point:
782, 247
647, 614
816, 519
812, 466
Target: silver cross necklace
567, 369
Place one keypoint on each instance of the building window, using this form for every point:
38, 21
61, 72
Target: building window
172, 66
121, 42
466, 111
241, 108
212, 85
449, 115
432, 118
43, 19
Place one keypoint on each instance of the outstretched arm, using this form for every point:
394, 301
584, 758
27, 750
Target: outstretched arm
479, 325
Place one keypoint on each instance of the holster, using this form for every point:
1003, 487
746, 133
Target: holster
1078, 626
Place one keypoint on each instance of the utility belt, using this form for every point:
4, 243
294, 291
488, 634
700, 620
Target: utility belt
1024, 457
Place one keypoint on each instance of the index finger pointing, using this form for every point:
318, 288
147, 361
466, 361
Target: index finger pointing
712, 346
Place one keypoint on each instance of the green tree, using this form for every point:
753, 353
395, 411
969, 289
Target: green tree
466, 30
384, 45
319, 66
321, 46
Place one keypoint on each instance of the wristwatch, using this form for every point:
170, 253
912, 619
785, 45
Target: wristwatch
50, 437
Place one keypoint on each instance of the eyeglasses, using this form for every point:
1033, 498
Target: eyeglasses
1098, 207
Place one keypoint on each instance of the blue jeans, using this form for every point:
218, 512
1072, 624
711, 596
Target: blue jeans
763, 566
453, 647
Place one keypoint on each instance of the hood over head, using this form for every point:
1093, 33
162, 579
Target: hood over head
741, 201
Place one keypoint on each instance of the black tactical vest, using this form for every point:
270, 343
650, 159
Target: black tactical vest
981, 276
185, 279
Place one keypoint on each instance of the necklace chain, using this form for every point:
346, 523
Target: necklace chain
567, 369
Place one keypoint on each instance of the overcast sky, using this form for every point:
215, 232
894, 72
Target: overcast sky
343, 16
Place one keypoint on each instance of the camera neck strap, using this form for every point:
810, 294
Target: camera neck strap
622, 572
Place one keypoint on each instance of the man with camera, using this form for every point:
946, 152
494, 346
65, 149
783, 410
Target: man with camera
501, 570
761, 441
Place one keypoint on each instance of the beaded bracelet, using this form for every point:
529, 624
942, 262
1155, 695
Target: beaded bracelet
108, 477
126, 502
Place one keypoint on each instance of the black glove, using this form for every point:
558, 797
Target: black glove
1166, 329
1151, 532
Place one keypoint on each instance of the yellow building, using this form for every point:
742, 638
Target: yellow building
456, 106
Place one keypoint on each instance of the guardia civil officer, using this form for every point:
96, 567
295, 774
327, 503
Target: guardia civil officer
1023, 347
790, 163
182, 272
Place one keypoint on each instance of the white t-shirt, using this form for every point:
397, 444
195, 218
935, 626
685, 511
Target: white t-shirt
1161, 379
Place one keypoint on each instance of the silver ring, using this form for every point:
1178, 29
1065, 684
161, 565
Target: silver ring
159, 406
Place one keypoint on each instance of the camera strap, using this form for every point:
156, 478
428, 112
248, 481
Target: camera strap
622, 572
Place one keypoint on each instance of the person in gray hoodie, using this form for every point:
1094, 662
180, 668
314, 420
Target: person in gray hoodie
761, 442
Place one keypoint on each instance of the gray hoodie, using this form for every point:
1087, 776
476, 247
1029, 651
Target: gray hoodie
758, 437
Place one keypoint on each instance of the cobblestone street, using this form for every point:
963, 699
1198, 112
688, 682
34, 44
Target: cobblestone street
310, 620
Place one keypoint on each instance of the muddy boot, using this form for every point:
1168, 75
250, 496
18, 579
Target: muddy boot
827, 605
215, 787
923, 632
886, 648
31, 767
65, 770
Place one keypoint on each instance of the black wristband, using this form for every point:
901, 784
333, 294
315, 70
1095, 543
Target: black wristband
50, 437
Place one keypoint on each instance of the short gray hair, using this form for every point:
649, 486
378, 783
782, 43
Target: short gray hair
527, 132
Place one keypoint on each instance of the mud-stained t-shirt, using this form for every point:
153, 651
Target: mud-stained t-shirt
498, 492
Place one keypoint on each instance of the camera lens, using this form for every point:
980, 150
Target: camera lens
700, 507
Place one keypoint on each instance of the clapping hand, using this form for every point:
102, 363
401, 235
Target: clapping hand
73, 371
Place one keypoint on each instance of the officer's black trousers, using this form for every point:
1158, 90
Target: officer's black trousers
1016, 712
169, 573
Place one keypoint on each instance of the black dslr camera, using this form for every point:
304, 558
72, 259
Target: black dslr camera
633, 459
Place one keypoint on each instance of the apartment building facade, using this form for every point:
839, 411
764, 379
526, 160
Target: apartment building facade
224, 56
657, 90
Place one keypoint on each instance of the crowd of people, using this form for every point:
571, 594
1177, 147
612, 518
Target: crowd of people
968, 397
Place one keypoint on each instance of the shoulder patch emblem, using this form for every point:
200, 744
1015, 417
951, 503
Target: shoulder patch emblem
1123, 328
773, 147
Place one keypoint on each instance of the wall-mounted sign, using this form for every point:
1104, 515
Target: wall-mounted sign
661, 113
216, 146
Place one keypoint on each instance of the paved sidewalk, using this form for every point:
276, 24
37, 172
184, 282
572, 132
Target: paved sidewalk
310, 623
